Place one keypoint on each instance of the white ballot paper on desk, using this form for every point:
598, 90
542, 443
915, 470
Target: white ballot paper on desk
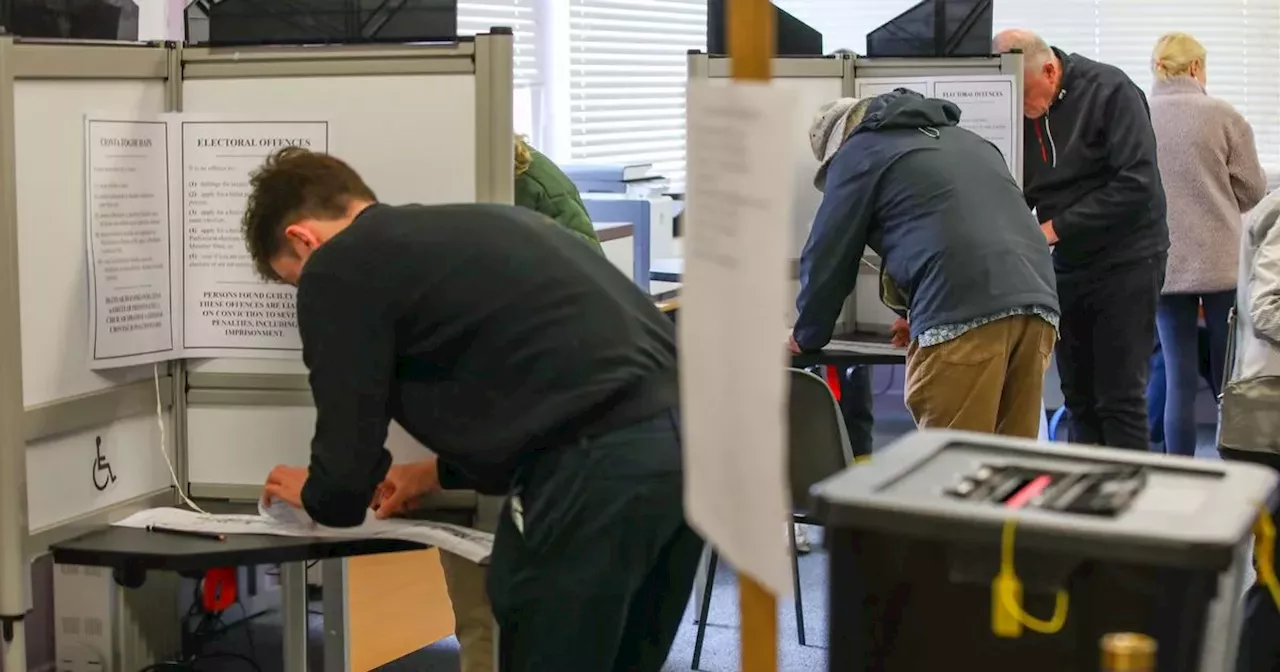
733, 372
282, 520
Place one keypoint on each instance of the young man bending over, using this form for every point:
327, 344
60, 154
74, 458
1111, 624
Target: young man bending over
528, 363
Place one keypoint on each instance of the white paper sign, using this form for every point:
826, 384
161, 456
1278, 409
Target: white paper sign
988, 104
733, 371
127, 210
228, 310
161, 20
169, 275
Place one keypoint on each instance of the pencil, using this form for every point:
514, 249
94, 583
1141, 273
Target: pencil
211, 536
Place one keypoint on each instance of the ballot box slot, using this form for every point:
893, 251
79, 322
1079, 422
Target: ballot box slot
1104, 492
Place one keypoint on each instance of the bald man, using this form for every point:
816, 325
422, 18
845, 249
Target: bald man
1090, 173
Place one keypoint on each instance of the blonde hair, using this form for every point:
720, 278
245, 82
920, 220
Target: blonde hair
524, 155
1174, 55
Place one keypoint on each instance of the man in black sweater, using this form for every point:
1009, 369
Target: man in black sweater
528, 363
1090, 173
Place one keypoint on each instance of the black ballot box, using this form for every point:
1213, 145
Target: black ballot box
946, 537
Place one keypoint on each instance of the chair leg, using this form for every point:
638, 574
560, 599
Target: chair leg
706, 607
795, 579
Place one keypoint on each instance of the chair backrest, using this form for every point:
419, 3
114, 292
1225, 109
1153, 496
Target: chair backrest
818, 444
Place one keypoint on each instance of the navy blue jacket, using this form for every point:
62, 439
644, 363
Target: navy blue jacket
1089, 165
938, 204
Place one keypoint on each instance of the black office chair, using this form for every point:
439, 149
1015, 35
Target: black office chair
818, 448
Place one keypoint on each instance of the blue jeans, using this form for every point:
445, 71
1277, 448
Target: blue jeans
1176, 321
1155, 395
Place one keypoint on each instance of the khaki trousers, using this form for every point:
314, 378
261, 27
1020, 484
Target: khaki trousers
472, 615
468, 588
990, 379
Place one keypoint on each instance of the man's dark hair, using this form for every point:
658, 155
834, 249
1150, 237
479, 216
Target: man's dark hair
295, 184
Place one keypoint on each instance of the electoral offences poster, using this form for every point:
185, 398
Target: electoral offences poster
169, 273
229, 310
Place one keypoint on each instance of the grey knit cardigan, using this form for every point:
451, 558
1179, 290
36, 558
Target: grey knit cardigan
1211, 174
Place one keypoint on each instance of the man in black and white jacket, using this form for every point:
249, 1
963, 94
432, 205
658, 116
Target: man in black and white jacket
1090, 172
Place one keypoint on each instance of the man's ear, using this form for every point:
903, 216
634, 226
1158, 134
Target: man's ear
302, 235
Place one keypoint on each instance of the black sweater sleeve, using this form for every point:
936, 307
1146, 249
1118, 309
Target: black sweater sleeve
348, 343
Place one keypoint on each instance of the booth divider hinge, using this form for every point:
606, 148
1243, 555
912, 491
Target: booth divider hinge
6, 626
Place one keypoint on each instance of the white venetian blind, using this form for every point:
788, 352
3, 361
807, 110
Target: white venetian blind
1243, 56
478, 16
1240, 36
627, 76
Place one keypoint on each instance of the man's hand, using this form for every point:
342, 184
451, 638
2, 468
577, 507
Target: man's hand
405, 486
792, 346
901, 332
285, 484
1049, 234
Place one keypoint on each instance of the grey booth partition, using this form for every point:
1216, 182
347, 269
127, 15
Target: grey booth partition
77, 448
447, 138
818, 80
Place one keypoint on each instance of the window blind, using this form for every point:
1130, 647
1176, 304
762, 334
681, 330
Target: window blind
478, 16
1239, 36
627, 80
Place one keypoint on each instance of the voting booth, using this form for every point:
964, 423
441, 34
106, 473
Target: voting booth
163, 359
988, 91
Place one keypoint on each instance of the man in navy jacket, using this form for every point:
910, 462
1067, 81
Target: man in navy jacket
1090, 173
960, 250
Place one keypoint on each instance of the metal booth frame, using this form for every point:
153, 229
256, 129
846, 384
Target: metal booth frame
488, 56
850, 69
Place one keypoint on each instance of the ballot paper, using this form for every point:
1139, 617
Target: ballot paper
736, 278
282, 520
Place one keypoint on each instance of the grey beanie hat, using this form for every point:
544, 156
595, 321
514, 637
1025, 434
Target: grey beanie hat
826, 134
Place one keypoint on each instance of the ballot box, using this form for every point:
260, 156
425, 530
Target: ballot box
946, 538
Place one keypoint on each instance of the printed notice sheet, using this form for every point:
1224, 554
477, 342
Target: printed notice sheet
733, 375
988, 104
127, 210
229, 310
473, 545
169, 275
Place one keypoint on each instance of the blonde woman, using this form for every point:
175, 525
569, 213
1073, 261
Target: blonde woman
542, 187
1211, 175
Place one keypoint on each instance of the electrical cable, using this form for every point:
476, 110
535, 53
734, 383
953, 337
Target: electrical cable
893, 377
164, 452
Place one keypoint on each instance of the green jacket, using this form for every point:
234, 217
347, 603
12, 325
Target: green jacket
544, 188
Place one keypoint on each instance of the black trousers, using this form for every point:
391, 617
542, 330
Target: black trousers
593, 568
857, 405
1104, 355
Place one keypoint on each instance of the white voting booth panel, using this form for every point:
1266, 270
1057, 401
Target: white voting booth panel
422, 124
989, 94
814, 81
78, 449
72, 415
